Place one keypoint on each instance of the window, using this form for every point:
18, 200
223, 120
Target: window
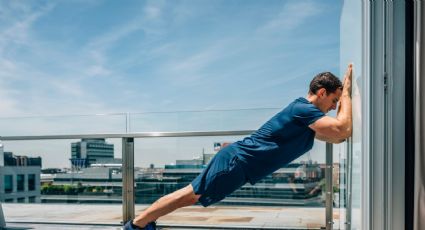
32, 199
8, 183
31, 182
21, 200
20, 182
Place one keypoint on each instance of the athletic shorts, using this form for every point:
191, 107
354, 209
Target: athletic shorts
222, 176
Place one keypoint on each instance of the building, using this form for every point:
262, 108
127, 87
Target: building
91, 151
19, 178
95, 184
291, 185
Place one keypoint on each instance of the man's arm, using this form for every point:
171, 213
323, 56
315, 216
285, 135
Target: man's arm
335, 130
330, 140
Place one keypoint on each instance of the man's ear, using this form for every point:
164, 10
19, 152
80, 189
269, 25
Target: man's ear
321, 92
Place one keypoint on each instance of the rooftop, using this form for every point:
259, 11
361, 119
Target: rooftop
72, 216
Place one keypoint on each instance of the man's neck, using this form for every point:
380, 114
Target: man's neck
312, 98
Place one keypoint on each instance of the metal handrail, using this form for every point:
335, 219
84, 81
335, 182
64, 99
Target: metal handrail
128, 135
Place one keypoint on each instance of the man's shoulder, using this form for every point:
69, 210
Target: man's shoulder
303, 106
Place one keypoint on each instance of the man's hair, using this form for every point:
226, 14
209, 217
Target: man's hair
325, 80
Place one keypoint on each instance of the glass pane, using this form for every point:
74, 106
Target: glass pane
164, 165
52, 180
219, 120
31, 182
20, 182
8, 183
351, 51
63, 125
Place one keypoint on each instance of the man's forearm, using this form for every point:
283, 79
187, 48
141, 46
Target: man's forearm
344, 114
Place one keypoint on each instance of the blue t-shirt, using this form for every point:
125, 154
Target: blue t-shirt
282, 139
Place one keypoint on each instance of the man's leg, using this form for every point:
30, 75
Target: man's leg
166, 204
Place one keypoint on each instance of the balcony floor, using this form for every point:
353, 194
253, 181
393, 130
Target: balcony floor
75, 216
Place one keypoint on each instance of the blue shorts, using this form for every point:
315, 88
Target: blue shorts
223, 175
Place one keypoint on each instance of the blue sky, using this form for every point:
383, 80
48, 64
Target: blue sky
73, 57
90, 57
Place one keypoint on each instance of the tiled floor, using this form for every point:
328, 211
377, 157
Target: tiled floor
215, 217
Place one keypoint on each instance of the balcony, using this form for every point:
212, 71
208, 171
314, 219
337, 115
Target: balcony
100, 194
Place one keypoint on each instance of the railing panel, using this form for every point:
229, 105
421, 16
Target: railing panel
56, 173
63, 125
209, 120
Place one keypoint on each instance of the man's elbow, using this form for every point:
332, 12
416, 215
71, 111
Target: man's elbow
338, 141
348, 132
344, 132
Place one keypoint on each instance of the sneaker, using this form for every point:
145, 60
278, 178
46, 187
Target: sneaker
150, 226
130, 226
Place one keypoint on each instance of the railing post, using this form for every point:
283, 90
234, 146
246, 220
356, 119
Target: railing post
329, 186
128, 178
2, 220
349, 181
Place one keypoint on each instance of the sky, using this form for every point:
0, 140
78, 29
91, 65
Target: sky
59, 59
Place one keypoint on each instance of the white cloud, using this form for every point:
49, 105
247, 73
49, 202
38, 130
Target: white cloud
98, 70
18, 32
152, 12
293, 14
185, 69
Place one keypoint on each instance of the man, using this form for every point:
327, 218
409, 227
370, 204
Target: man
285, 137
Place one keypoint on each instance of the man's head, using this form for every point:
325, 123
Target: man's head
325, 91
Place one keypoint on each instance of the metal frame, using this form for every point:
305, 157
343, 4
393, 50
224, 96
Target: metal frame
384, 124
2, 220
349, 179
366, 115
419, 110
128, 178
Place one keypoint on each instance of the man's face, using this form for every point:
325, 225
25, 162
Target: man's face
328, 101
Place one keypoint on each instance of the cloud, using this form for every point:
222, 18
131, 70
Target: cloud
292, 15
18, 32
152, 12
42, 89
15, 34
186, 69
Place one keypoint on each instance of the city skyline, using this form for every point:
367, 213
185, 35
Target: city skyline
169, 155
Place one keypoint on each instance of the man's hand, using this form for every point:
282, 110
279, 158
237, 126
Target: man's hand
346, 85
348, 79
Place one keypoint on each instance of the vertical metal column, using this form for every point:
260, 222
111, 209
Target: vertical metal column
329, 187
2, 221
349, 181
419, 109
128, 178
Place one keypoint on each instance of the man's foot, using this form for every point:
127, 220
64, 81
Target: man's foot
130, 226
150, 226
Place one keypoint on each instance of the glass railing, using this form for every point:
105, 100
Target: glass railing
354, 48
87, 169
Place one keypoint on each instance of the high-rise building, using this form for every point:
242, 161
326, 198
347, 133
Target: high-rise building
91, 151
